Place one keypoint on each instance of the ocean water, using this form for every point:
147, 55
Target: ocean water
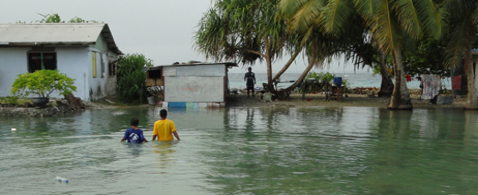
236, 80
349, 150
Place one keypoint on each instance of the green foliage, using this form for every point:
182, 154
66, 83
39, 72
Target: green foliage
242, 30
376, 70
42, 83
321, 76
131, 78
428, 56
55, 18
345, 82
9, 100
50, 18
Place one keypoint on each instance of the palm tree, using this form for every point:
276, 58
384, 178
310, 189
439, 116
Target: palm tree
246, 31
391, 23
463, 30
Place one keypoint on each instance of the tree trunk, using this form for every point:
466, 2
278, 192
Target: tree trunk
386, 88
270, 84
472, 98
400, 99
286, 66
301, 78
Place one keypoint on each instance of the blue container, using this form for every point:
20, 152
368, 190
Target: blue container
338, 81
177, 104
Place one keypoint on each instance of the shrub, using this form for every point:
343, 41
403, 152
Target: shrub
43, 83
9, 100
131, 78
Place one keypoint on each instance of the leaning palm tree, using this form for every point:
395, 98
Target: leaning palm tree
391, 23
463, 31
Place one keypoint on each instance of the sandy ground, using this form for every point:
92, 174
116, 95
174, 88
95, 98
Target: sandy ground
354, 100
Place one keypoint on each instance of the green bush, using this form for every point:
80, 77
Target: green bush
42, 83
131, 78
9, 100
321, 76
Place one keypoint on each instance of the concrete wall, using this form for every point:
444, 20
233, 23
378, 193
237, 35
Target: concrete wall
13, 61
194, 89
76, 63
103, 85
73, 62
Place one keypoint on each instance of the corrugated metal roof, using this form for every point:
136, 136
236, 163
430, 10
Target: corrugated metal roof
56, 34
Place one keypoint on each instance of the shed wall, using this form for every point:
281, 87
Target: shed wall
194, 89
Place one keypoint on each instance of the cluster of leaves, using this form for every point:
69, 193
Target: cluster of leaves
9, 100
55, 18
324, 77
235, 30
428, 56
43, 83
131, 78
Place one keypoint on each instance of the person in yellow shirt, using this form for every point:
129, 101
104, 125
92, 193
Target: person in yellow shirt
164, 129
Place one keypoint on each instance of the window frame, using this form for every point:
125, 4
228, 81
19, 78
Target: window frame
41, 59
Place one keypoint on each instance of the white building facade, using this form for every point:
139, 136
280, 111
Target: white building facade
84, 52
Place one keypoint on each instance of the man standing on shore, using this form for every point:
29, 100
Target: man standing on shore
250, 79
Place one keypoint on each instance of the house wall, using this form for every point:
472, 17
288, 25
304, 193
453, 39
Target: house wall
101, 44
76, 63
13, 62
103, 85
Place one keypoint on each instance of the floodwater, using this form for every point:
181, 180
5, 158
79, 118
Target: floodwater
348, 150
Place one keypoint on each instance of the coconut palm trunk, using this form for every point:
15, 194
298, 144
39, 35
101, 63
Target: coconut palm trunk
301, 78
287, 65
386, 88
400, 99
472, 98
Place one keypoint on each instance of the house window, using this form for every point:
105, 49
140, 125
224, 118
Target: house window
93, 54
39, 61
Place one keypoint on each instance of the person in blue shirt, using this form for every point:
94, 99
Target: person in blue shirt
133, 134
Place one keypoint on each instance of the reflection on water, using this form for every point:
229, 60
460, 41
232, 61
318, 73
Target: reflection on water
165, 151
245, 151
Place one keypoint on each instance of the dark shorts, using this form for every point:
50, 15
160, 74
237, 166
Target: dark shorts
249, 87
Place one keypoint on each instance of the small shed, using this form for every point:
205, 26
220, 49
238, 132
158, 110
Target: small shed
192, 85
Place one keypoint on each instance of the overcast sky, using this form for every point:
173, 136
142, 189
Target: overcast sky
162, 30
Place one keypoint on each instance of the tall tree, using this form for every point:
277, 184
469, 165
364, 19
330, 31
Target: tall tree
246, 31
391, 23
463, 30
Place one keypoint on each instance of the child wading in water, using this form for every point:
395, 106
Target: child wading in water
133, 134
164, 129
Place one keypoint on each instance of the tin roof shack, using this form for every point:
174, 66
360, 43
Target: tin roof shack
85, 52
192, 85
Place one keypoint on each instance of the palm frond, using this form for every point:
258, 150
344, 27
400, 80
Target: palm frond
336, 15
386, 31
408, 16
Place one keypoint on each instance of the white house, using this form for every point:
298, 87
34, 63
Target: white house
83, 51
